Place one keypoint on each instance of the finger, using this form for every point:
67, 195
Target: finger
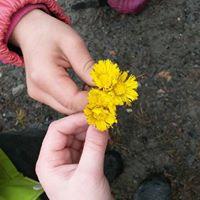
92, 159
39, 87
60, 133
68, 95
81, 136
76, 144
78, 55
62, 88
75, 156
43, 97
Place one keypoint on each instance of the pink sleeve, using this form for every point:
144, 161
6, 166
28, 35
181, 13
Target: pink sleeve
11, 13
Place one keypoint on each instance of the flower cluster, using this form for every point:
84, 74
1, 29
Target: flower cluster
112, 88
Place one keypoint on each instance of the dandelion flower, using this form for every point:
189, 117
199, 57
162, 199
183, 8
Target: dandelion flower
101, 117
105, 74
99, 97
112, 88
124, 91
100, 112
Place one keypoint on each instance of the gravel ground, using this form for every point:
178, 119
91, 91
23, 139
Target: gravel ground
161, 132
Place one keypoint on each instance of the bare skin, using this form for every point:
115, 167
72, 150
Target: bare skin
50, 47
71, 161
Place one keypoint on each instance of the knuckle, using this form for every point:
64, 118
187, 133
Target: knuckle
34, 76
53, 125
31, 93
37, 77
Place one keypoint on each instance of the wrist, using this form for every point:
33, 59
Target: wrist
27, 27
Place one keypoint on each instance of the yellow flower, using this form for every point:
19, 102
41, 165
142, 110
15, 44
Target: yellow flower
100, 111
99, 97
101, 117
124, 90
113, 88
105, 74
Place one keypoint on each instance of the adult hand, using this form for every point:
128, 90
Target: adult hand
71, 161
50, 47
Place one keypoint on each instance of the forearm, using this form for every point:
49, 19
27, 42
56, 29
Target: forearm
9, 10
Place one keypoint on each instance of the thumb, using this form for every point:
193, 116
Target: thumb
78, 55
92, 159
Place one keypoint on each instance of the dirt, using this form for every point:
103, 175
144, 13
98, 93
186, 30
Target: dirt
160, 133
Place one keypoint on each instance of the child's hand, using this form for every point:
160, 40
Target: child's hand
50, 47
71, 161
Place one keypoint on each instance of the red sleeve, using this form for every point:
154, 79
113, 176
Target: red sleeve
11, 11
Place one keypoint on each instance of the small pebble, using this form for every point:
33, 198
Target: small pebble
16, 91
161, 91
37, 187
129, 110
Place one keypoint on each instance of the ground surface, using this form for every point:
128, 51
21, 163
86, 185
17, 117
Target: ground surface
161, 133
